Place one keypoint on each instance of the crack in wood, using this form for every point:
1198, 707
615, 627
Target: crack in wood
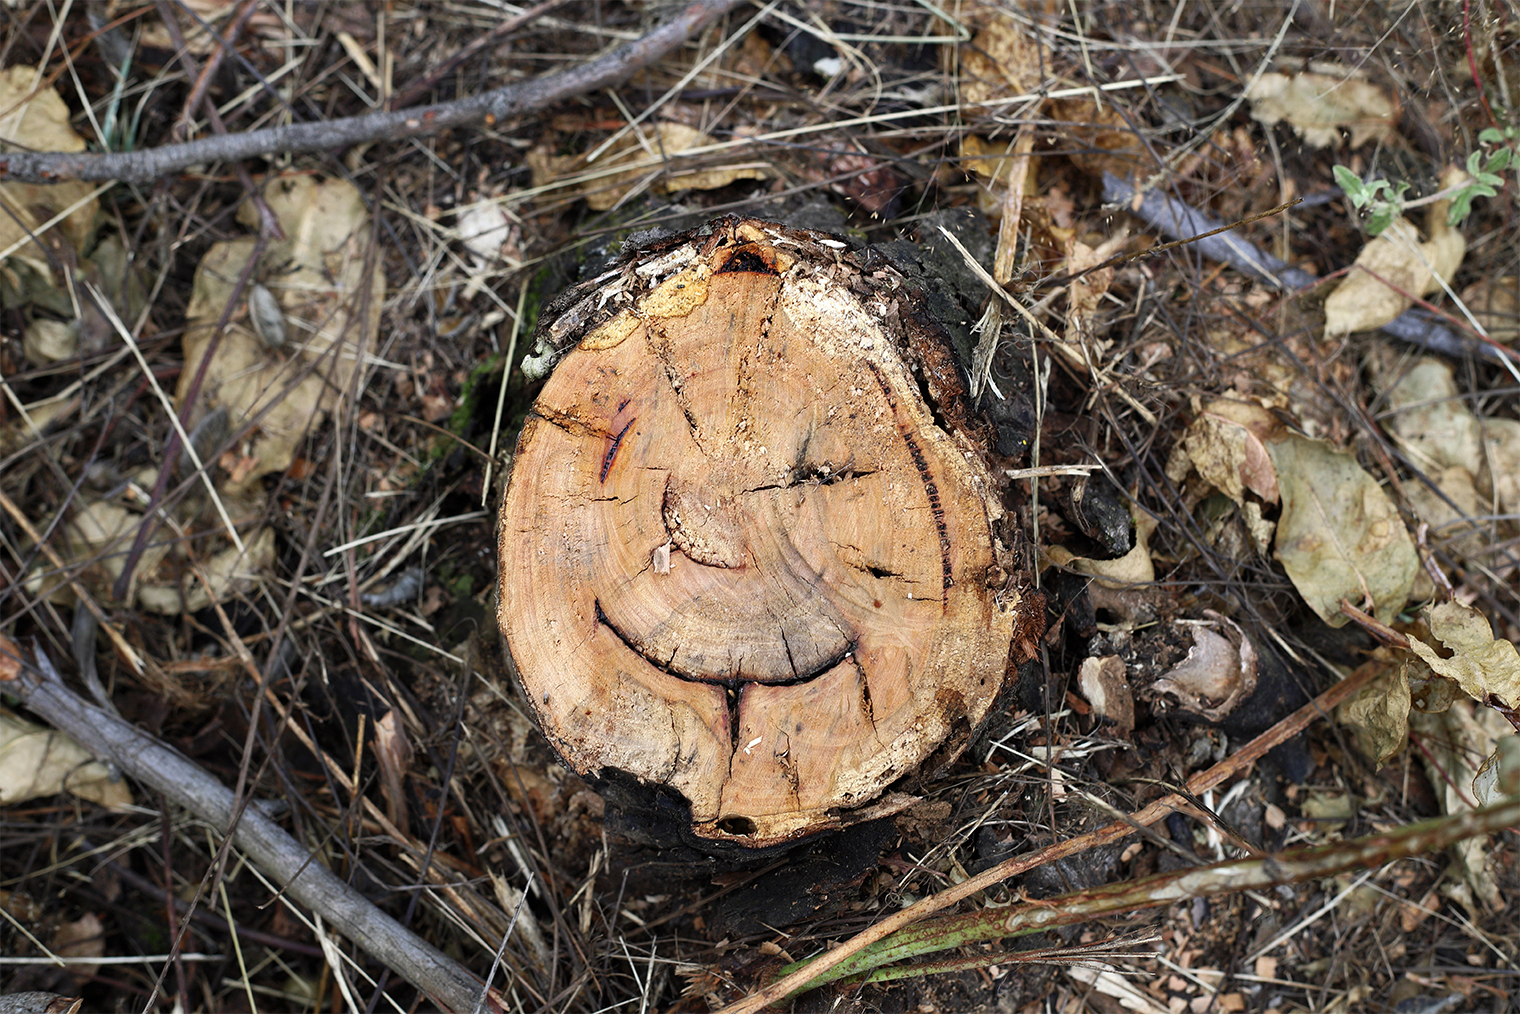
734, 678
571, 423
866, 707
812, 475
926, 477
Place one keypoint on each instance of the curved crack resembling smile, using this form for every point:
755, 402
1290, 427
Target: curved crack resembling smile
728, 680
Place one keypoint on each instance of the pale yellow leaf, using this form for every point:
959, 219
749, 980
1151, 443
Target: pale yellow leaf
1479, 664
38, 120
1495, 303
635, 162
1449, 509
1453, 743
321, 284
226, 573
1339, 537
1378, 716
1428, 416
37, 761
1320, 106
1499, 777
1501, 462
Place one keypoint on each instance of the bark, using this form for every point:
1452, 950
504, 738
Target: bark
750, 546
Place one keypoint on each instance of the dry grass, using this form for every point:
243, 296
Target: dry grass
455, 818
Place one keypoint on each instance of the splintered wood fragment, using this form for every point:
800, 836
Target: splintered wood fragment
740, 558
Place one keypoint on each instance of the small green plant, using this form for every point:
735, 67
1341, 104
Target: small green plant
1383, 201
1367, 196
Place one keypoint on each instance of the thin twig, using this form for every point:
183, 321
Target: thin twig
1201, 782
476, 110
501, 30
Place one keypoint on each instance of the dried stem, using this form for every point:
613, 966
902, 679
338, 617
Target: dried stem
264, 842
422, 121
1291, 867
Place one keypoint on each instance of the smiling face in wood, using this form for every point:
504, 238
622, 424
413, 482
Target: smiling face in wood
739, 558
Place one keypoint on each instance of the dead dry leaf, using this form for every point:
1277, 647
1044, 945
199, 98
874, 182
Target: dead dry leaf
332, 308
37, 119
1124, 586
1453, 742
621, 170
1085, 293
37, 761
1501, 462
1378, 716
1499, 776
84, 937
486, 230
96, 538
393, 752
999, 61
1133, 568
1495, 303
1339, 537
1450, 509
199, 21
1002, 62
1320, 105
1226, 446
1480, 664
1427, 414
223, 575
1394, 268
992, 161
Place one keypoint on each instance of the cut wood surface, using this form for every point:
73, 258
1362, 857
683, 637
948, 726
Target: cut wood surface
740, 558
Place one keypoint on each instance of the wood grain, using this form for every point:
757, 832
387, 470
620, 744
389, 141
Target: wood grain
739, 557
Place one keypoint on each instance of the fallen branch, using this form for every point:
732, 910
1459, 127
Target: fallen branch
1179, 221
267, 845
476, 110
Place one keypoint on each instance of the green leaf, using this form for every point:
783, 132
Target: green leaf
1381, 218
1352, 184
1461, 204
1492, 135
1474, 163
1500, 160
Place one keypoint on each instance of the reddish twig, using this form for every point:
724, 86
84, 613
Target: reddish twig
1382, 631
223, 46
1201, 782
422, 121
1472, 62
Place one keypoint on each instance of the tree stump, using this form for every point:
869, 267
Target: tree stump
749, 543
